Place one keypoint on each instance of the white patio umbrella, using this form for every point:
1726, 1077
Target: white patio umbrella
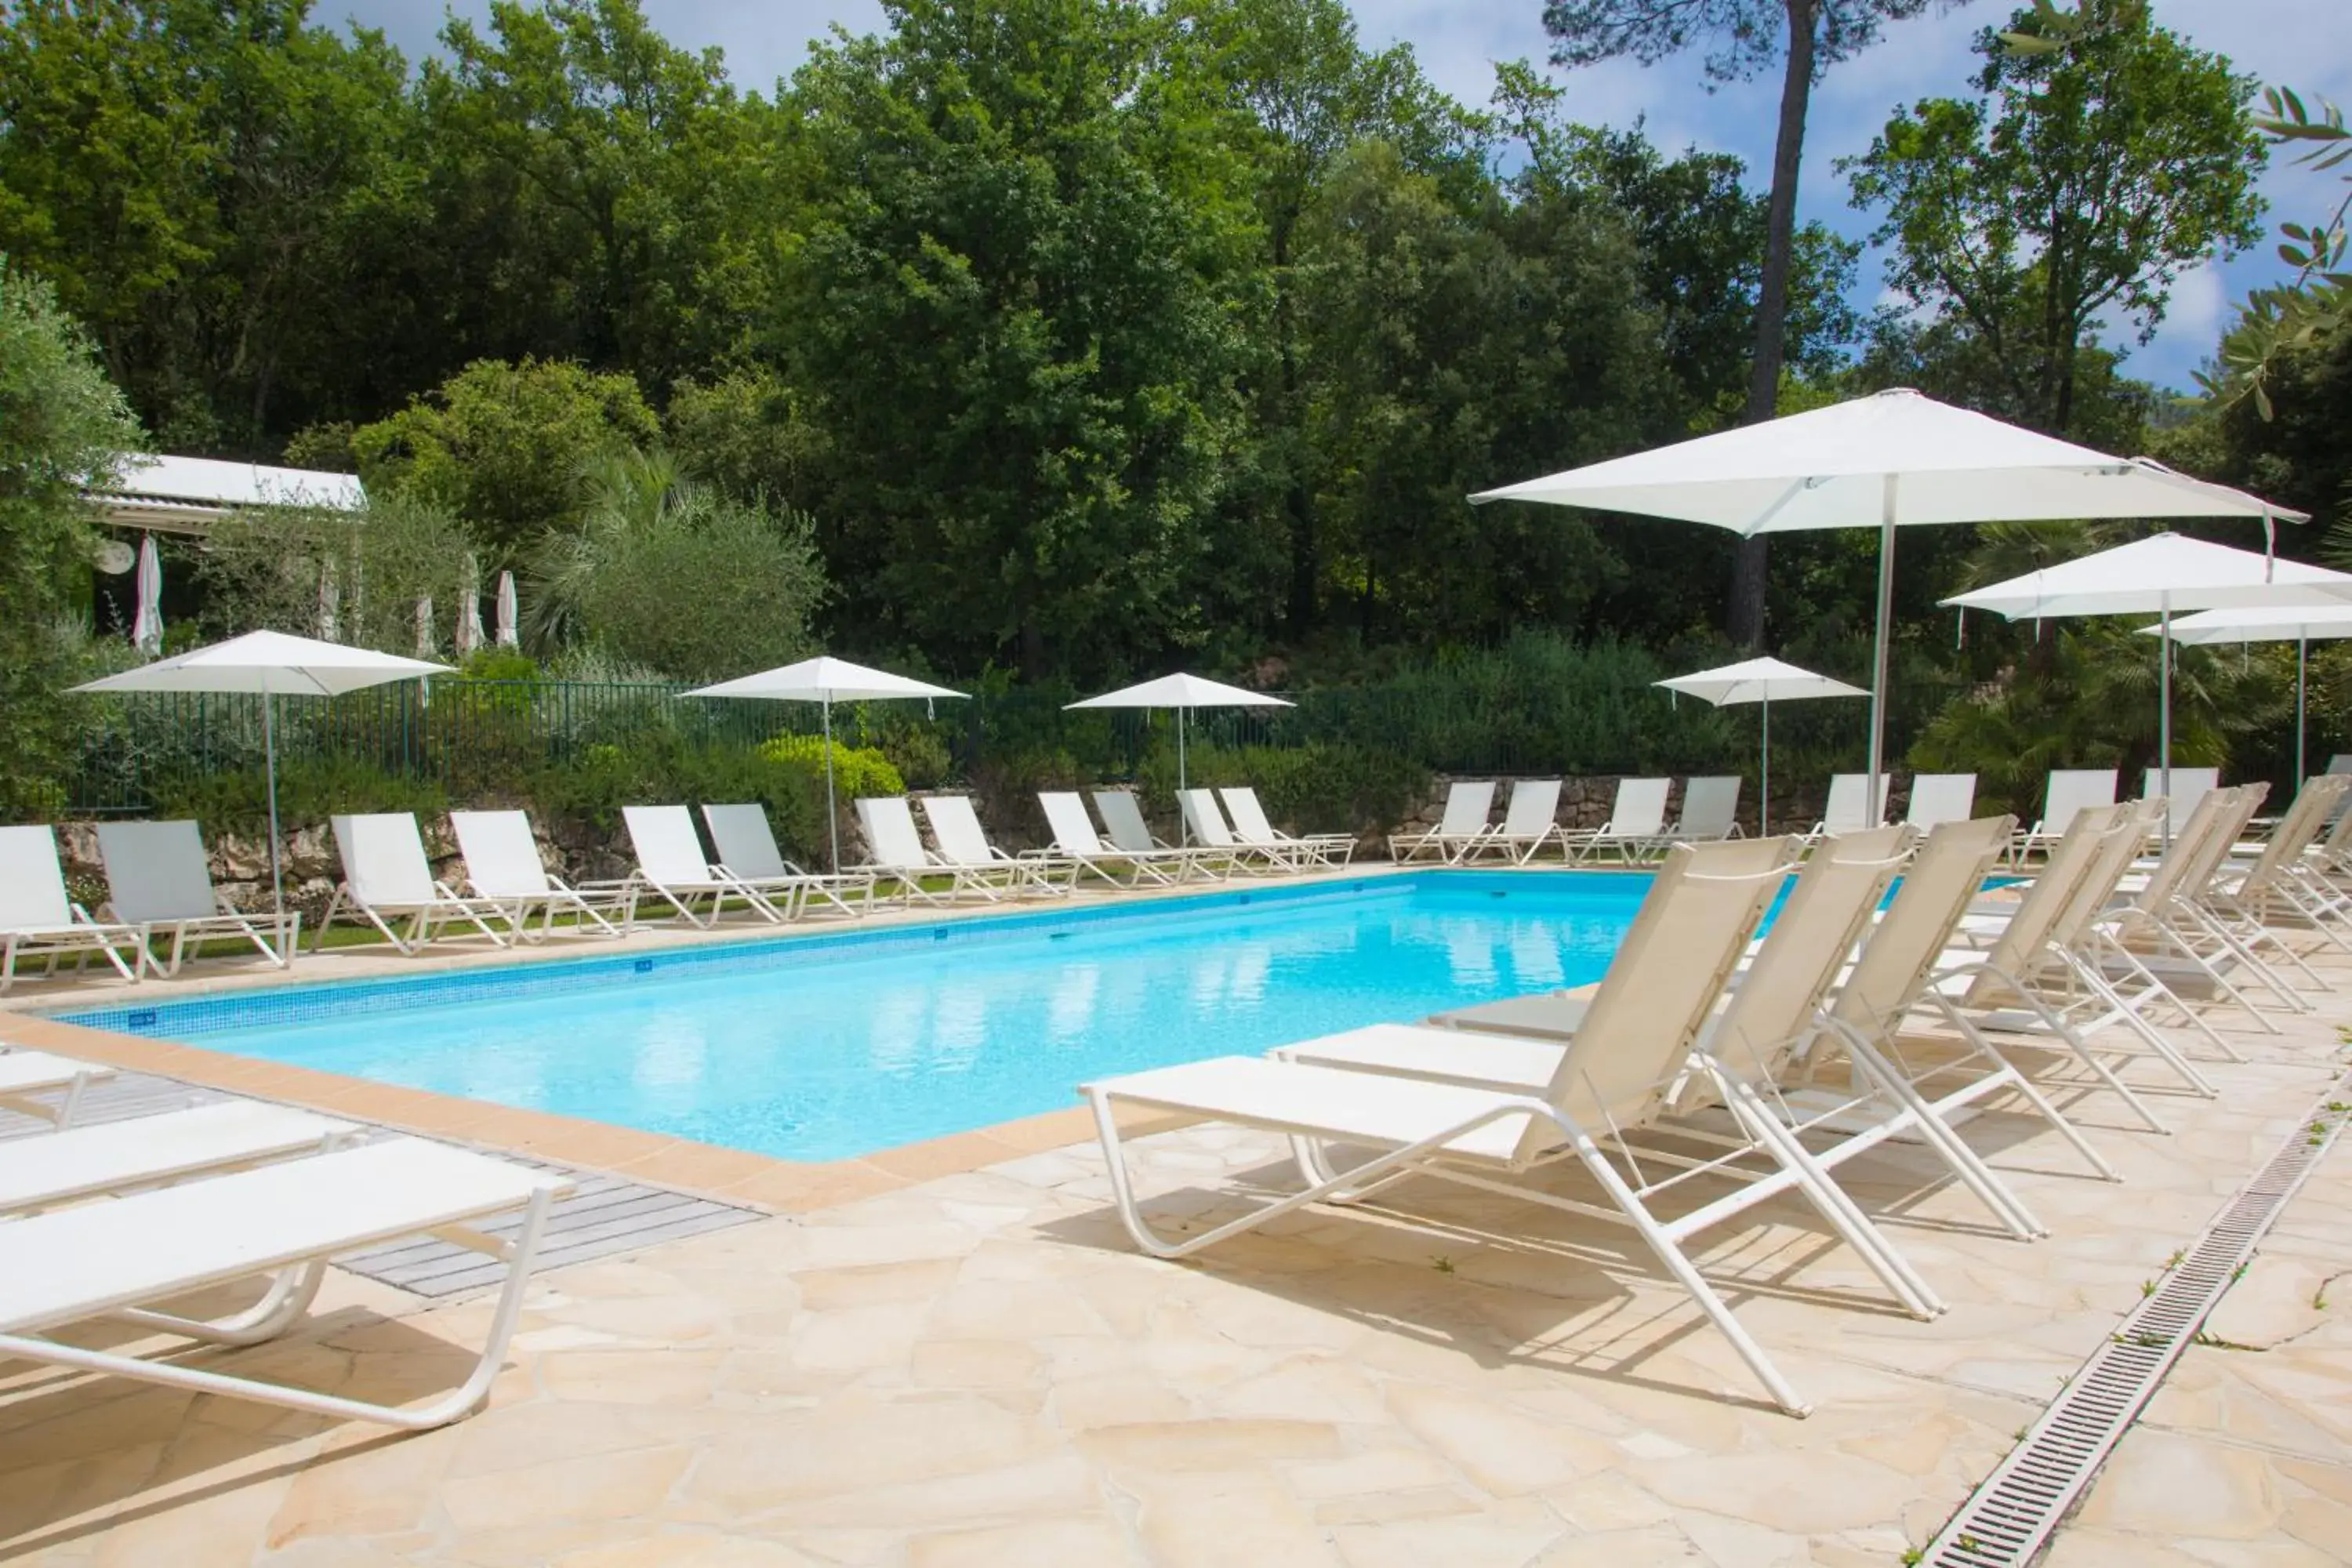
272, 664
2300, 623
1763, 682
469, 635
1890, 461
1183, 693
824, 682
2159, 575
147, 626
507, 634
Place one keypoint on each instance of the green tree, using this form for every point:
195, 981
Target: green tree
1806, 37
2073, 191
351, 576
747, 433
63, 427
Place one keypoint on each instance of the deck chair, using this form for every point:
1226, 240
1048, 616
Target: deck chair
1530, 821
899, 857
672, 867
37, 919
2189, 785
1710, 810
1848, 809
748, 852
28, 1077
1939, 798
955, 827
1469, 803
1312, 851
105, 1259
156, 877
387, 881
1204, 820
1076, 840
118, 1157
503, 868
1636, 824
2283, 887
2068, 792
1633, 1050
1123, 823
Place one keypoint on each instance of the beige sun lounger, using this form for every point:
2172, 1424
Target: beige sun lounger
387, 881
503, 868
156, 879
27, 1075
117, 1157
1469, 803
37, 919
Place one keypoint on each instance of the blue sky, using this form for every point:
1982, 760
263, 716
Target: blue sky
2300, 42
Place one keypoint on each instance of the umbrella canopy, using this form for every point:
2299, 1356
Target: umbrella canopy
1763, 682
468, 633
507, 625
1183, 693
2159, 575
1890, 461
272, 664
2299, 624
823, 680
147, 626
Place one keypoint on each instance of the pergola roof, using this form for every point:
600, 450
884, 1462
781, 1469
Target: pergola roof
187, 495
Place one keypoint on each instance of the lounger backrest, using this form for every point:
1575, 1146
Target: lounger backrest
1534, 810
1123, 820
745, 842
1685, 941
2192, 841
1207, 822
2125, 843
2189, 785
961, 840
1469, 803
2341, 763
1640, 809
1709, 806
1901, 953
31, 883
1849, 805
2339, 834
2070, 790
1939, 798
669, 852
501, 856
156, 872
1811, 937
2044, 902
890, 833
1065, 815
2244, 802
1250, 823
384, 861
2313, 804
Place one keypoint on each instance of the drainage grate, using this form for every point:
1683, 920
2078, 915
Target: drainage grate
2006, 1521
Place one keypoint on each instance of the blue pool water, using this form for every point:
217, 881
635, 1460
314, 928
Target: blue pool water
825, 1047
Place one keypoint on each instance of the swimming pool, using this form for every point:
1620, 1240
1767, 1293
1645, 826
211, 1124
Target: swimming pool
828, 1046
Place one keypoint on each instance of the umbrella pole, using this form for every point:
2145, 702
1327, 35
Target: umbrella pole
1183, 823
831, 813
2302, 649
1879, 656
270, 766
2163, 709
1764, 783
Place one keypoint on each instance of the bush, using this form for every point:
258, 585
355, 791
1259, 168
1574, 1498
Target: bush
857, 771
1320, 787
309, 791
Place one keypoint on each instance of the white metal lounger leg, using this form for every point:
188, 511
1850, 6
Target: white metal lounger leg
2063, 1033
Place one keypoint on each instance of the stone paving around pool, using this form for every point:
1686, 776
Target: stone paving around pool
979, 1369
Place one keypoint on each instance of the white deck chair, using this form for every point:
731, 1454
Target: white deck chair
2068, 792
1123, 823
1710, 810
37, 919
156, 877
2284, 888
503, 868
25, 1076
2189, 785
387, 880
748, 853
2168, 931
1848, 808
1205, 820
1636, 824
1469, 803
117, 1157
1939, 798
1631, 1055
1311, 851
899, 856
1530, 821
1076, 840
955, 827
106, 1259
673, 867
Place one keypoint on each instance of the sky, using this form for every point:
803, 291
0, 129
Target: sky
1459, 40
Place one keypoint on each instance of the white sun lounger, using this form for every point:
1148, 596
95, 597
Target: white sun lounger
2189, 785
748, 853
963, 843
1636, 824
387, 880
27, 1075
117, 1157
1311, 851
1710, 810
2174, 936
1848, 809
1530, 821
1633, 1055
156, 879
503, 868
2283, 887
1205, 819
1939, 798
37, 919
2068, 792
1469, 803
1076, 840
108, 1259
899, 856
1123, 823
673, 867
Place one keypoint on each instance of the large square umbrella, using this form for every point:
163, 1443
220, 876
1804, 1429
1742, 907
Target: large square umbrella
1889, 460
2302, 625
2157, 576
824, 680
1183, 693
1763, 682
270, 664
